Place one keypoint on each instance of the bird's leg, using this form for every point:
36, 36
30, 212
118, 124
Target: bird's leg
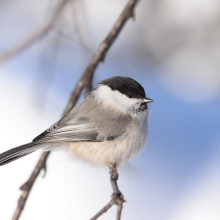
114, 177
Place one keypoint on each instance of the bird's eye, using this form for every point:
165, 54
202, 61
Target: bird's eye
129, 95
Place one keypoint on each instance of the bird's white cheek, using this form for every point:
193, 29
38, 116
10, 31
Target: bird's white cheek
114, 99
123, 101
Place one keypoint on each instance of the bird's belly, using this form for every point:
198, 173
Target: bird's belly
120, 151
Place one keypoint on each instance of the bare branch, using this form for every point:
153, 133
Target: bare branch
103, 210
117, 196
28, 185
86, 82
22, 45
80, 24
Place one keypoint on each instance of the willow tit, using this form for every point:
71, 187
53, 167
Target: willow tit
109, 126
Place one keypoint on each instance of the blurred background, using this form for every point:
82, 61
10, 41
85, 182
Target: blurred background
171, 48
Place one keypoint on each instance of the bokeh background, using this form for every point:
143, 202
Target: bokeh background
173, 49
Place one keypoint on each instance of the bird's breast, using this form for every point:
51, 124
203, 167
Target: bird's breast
121, 150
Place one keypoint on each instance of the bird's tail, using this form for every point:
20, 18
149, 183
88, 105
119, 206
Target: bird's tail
18, 152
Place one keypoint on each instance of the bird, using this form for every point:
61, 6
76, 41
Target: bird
109, 126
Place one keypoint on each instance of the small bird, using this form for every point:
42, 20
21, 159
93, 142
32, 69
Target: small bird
109, 126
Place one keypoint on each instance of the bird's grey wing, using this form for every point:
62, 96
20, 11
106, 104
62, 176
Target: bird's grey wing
79, 130
85, 123
50, 129
63, 122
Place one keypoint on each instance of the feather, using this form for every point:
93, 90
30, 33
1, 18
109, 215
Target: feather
18, 152
85, 123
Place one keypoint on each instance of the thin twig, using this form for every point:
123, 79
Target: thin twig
28, 185
117, 196
84, 82
42, 31
81, 25
103, 210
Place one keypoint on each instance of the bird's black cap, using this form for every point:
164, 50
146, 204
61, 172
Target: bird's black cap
126, 86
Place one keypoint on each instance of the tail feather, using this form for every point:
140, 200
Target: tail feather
18, 152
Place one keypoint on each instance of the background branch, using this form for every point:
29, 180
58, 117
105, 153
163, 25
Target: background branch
84, 82
42, 31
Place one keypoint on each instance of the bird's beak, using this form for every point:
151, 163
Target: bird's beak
146, 100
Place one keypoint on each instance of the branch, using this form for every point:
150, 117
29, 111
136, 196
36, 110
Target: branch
84, 82
22, 45
117, 196
28, 185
